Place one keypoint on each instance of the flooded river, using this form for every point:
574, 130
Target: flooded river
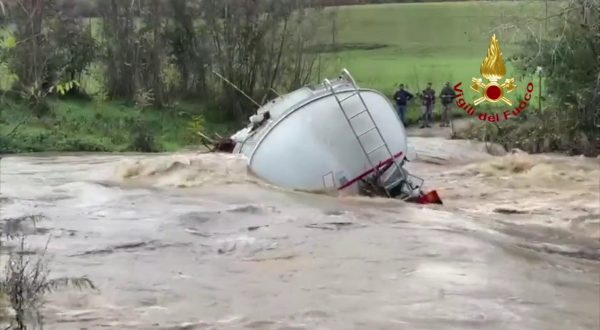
192, 241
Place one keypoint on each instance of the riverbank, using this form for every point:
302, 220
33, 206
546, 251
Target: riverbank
80, 125
87, 126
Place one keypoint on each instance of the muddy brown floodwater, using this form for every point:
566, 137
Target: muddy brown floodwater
191, 241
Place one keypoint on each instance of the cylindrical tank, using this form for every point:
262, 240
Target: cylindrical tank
312, 147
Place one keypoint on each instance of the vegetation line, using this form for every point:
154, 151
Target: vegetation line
148, 75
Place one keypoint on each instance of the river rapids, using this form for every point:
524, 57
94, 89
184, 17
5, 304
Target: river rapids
193, 241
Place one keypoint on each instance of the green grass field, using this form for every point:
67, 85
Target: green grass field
415, 43
420, 42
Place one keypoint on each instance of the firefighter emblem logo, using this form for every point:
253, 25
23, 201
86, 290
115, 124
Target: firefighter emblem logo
493, 70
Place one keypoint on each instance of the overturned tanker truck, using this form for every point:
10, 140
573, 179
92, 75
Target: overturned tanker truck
334, 137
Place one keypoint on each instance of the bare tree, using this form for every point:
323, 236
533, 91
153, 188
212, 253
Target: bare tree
122, 50
30, 54
333, 16
260, 45
189, 47
155, 57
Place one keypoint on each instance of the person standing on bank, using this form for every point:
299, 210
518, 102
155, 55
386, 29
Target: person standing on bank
428, 98
447, 95
402, 97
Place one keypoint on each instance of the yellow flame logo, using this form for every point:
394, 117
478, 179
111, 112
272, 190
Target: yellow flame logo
493, 69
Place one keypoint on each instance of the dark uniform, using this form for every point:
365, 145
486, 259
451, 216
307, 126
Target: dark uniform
402, 97
428, 98
447, 95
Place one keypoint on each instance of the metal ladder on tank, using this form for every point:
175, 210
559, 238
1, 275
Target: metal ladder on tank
365, 109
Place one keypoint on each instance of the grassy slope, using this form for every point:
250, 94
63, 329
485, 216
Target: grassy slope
426, 41
434, 42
